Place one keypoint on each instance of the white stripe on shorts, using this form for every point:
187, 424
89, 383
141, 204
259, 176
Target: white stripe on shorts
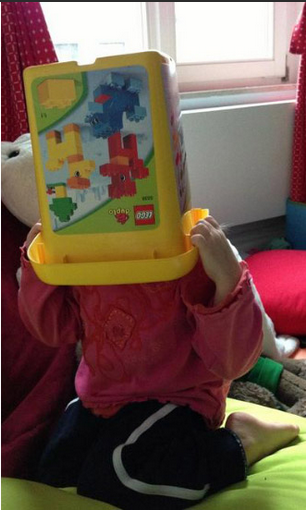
146, 488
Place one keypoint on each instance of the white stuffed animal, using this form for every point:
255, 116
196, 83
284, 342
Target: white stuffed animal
20, 197
19, 193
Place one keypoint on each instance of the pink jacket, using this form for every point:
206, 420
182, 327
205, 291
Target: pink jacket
152, 341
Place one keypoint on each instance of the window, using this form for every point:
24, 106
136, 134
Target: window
223, 31
215, 44
95, 29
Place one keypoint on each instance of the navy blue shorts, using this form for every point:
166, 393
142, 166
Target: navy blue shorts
148, 456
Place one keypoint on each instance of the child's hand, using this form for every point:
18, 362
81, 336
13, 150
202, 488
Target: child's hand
32, 234
218, 259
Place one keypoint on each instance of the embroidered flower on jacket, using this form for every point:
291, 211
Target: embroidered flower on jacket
119, 327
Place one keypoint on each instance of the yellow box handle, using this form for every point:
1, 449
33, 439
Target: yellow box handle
189, 220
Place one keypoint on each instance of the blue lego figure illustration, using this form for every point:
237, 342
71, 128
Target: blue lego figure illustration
111, 99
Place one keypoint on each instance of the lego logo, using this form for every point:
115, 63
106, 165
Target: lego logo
144, 214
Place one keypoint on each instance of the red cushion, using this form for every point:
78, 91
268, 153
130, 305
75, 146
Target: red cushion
280, 278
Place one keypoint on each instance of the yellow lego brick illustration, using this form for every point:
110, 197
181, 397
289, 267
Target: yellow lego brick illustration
81, 168
54, 93
68, 148
60, 191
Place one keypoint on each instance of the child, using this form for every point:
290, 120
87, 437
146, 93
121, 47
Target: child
158, 360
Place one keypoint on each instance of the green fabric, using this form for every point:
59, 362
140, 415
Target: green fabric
266, 373
277, 482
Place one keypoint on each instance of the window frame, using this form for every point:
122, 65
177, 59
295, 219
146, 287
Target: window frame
158, 32
194, 77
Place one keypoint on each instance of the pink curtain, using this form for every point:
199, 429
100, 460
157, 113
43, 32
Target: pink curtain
25, 41
37, 380
298, 179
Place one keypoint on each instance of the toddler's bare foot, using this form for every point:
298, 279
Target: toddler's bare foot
259, 438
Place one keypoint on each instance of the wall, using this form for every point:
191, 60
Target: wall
239, 160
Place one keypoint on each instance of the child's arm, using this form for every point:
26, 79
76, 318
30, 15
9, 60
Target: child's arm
228, 333
50, 313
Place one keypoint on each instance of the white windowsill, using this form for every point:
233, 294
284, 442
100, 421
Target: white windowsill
235, 97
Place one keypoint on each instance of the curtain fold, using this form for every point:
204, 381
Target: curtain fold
25, 41
298, 176
37, 381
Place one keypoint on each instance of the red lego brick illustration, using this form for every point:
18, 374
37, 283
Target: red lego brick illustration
124, 166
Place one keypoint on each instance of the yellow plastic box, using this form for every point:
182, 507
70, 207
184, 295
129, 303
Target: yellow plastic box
111, 172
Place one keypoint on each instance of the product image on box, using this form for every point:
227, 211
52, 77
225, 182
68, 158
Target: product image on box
111, 171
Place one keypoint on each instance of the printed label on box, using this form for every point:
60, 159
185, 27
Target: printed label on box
144, 214
96, 145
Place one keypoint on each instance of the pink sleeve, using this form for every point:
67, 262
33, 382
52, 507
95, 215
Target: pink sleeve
228, 337
50, 313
